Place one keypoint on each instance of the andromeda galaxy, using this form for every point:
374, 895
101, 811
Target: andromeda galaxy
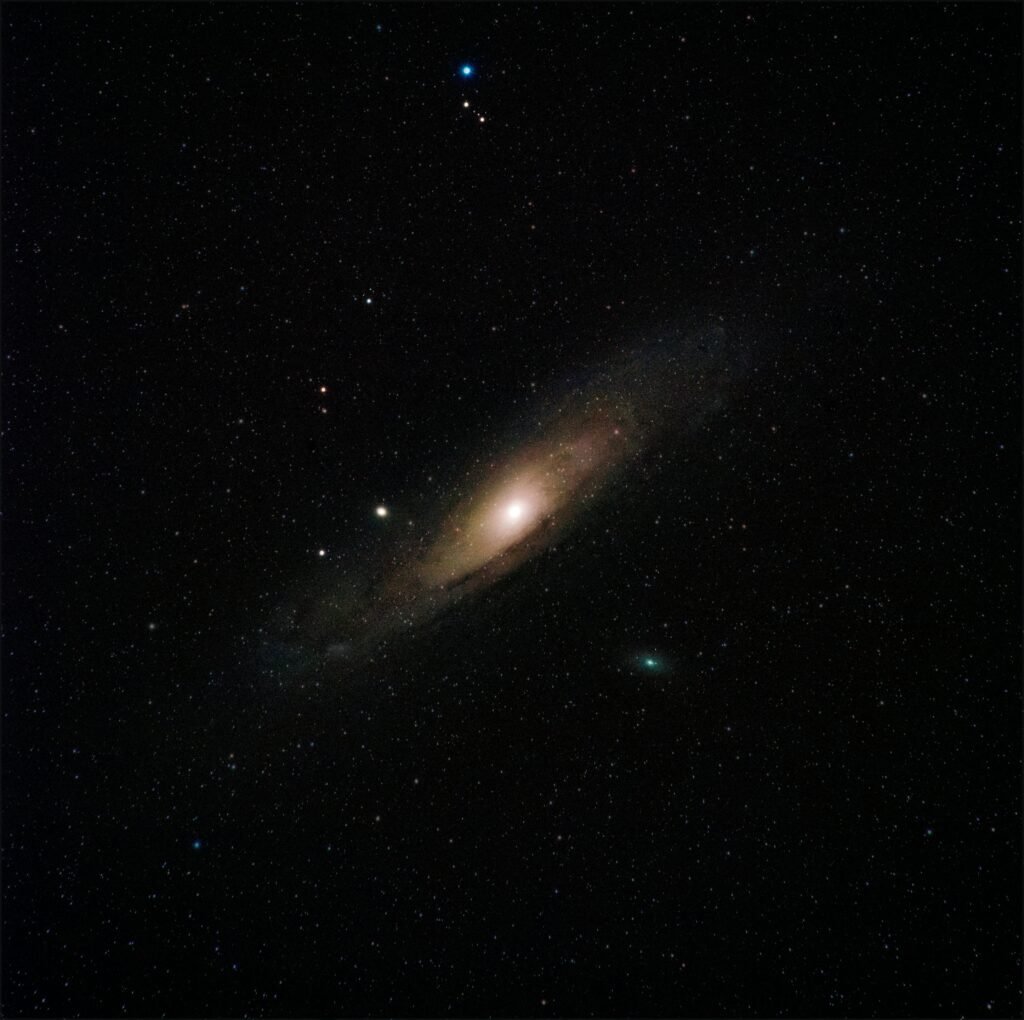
516, 502
528, 499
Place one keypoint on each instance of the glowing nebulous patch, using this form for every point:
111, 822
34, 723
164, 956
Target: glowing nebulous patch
532, 495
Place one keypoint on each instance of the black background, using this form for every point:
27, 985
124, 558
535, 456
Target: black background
810, 808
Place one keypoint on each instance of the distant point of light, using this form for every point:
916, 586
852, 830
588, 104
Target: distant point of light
381, 511
321, 552
650, 663
323, 389
465, 104
466, 70
369, 300
197, 844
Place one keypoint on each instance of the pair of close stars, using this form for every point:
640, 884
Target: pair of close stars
380, 511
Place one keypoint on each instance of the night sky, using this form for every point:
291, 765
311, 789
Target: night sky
722, 720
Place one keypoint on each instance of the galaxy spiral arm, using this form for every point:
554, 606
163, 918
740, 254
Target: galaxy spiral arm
518, 503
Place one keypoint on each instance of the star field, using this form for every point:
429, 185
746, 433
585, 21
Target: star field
511, 510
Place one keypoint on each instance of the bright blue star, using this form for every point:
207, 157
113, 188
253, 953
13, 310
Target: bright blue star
466, 70
197, 844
